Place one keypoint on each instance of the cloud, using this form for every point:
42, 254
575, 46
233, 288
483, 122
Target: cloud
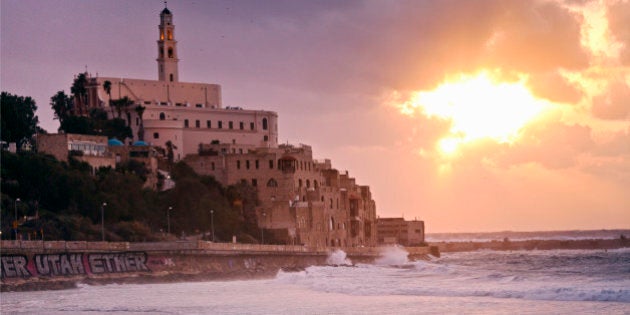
614, 103
553, 87
618, 16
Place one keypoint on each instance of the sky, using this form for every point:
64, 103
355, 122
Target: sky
479, 115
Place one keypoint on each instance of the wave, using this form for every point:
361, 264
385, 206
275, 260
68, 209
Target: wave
555, 277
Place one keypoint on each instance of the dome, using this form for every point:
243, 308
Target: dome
114, 142
140, 144
166, 11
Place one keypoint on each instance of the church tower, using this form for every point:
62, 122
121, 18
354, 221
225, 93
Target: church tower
167, 48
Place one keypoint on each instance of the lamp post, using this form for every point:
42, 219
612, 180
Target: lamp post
103, 221
212, 223
168, 220
262, 231
15, 223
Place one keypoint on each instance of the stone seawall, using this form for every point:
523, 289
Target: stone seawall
36, 265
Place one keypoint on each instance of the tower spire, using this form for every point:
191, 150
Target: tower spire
167, 48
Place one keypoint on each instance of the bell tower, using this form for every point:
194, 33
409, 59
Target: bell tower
167, 48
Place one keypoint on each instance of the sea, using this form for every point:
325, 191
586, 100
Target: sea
479, 282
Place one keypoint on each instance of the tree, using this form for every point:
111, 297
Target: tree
62, 105
79, 90
78, 124
19, 122
140, 111
122, 104
170, 155
107, 86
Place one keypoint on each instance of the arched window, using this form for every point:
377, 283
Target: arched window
170, 34
300, 183
272, 183
331, 223
315, 184
170, 52
170, 76
265, 124
308, 183
162, 116
161, 52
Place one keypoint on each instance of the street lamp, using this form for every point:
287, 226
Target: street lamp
212, 223
262, 231
103, 221
168, 220
15, 223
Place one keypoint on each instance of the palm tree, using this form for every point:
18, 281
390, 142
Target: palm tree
122, 103
107, 86
140, 111
79, 90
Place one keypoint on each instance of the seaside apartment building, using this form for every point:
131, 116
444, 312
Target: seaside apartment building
303, 201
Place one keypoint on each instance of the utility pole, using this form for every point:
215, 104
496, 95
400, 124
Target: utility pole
168, 220
212, 223
15, 223
103, 221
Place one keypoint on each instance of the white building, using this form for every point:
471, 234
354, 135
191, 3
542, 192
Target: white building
186, 114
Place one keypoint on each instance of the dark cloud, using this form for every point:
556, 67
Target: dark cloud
614, 104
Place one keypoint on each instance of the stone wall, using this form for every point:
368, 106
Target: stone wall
36, 265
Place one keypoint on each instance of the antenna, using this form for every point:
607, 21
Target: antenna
165, 5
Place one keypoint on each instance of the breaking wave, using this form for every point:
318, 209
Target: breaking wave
537, 275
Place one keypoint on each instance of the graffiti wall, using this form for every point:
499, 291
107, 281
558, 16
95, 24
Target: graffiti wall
72, 264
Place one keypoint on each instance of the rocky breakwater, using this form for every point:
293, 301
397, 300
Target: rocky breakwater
506, 244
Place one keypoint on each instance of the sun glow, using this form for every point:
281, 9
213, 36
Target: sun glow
478, 107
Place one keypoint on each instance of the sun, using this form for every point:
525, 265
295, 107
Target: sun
478, 107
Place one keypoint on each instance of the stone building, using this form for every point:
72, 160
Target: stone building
86, 148
184, 113
303, 201
399, 231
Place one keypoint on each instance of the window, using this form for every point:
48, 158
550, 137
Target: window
231, 125
171, 77
257, 164
254, 182
238, 164
208, 124
265, 124
266, 138
197, 123
251, 125
220, 124
241, 125
156, 135
170, 34
212, 166
300, 183
315, 184
247, 164
270, 164
185, 123
170, 52
308, 183
272, 183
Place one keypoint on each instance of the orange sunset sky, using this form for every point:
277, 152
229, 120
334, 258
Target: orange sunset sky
480, 115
